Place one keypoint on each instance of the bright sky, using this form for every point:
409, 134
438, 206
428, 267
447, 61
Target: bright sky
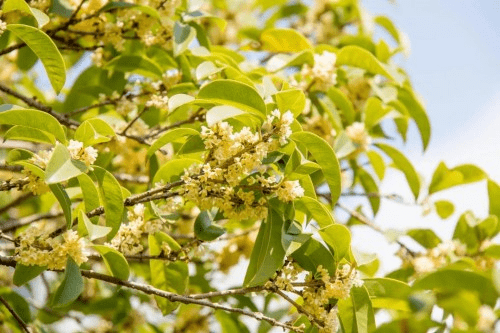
455, 67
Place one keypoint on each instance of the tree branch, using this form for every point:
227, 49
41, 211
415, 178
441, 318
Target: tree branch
15, 315
10, 261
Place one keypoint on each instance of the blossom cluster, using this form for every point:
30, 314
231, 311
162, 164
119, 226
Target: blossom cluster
434, 258
323, 72
233, 177
234, 250
317, 296
359, 135
3, 27
35, 184
128, 240
36, 247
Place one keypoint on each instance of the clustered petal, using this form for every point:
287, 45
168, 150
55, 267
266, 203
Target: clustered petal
36, 247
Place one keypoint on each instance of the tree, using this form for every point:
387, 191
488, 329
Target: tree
186, 139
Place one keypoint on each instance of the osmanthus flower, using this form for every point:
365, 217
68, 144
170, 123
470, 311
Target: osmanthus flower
3, 26
128, 240
37, 247
233, 177
323, 72
359, 135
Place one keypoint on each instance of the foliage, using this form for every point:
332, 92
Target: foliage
176, 142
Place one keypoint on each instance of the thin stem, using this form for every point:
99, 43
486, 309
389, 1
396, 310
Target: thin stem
15, 315
16, 202
9, 261
134, 120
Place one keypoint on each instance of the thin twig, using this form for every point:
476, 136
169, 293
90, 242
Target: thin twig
10, 261
16, 202
364, 220
15, 315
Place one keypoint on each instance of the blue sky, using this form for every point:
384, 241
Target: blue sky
455, 67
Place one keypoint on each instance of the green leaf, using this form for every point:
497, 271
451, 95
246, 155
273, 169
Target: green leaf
135, 64
342, 103
343, 146
92, 230
168, 276
64, 201
417, 112
356, 56
24, 273
168, 137
205, 69
452, 281
172, 170
122, 5
494, 198
90, 194
377, 163
25, 133
388, 293
204, 228
268, 253
94, 131
34, 119
178, 100
370, 186
71, 287
403, 164
338, 237
316, 210
425, 237
444, 178
115, 262
356, 313
21, 5
111, 194
284, 40
374, 112
184, 34
233, 93
292, 100
46, 50
312, 254
18, 304
61, 167
444, 208
222, 112
325, 157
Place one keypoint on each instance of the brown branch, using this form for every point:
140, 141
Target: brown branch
364, 220
15, 315
12, 184
14, 224
40, 106
16, 202
10, 261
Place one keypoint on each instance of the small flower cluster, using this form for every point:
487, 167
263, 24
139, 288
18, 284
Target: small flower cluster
3, 27
339, 287
158, 101
128, 240
234, 250
87, 155
36, 247
233, 156
434, 258
36, 185
487, 319
289, 190
323, 73
359, 135
322, 126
